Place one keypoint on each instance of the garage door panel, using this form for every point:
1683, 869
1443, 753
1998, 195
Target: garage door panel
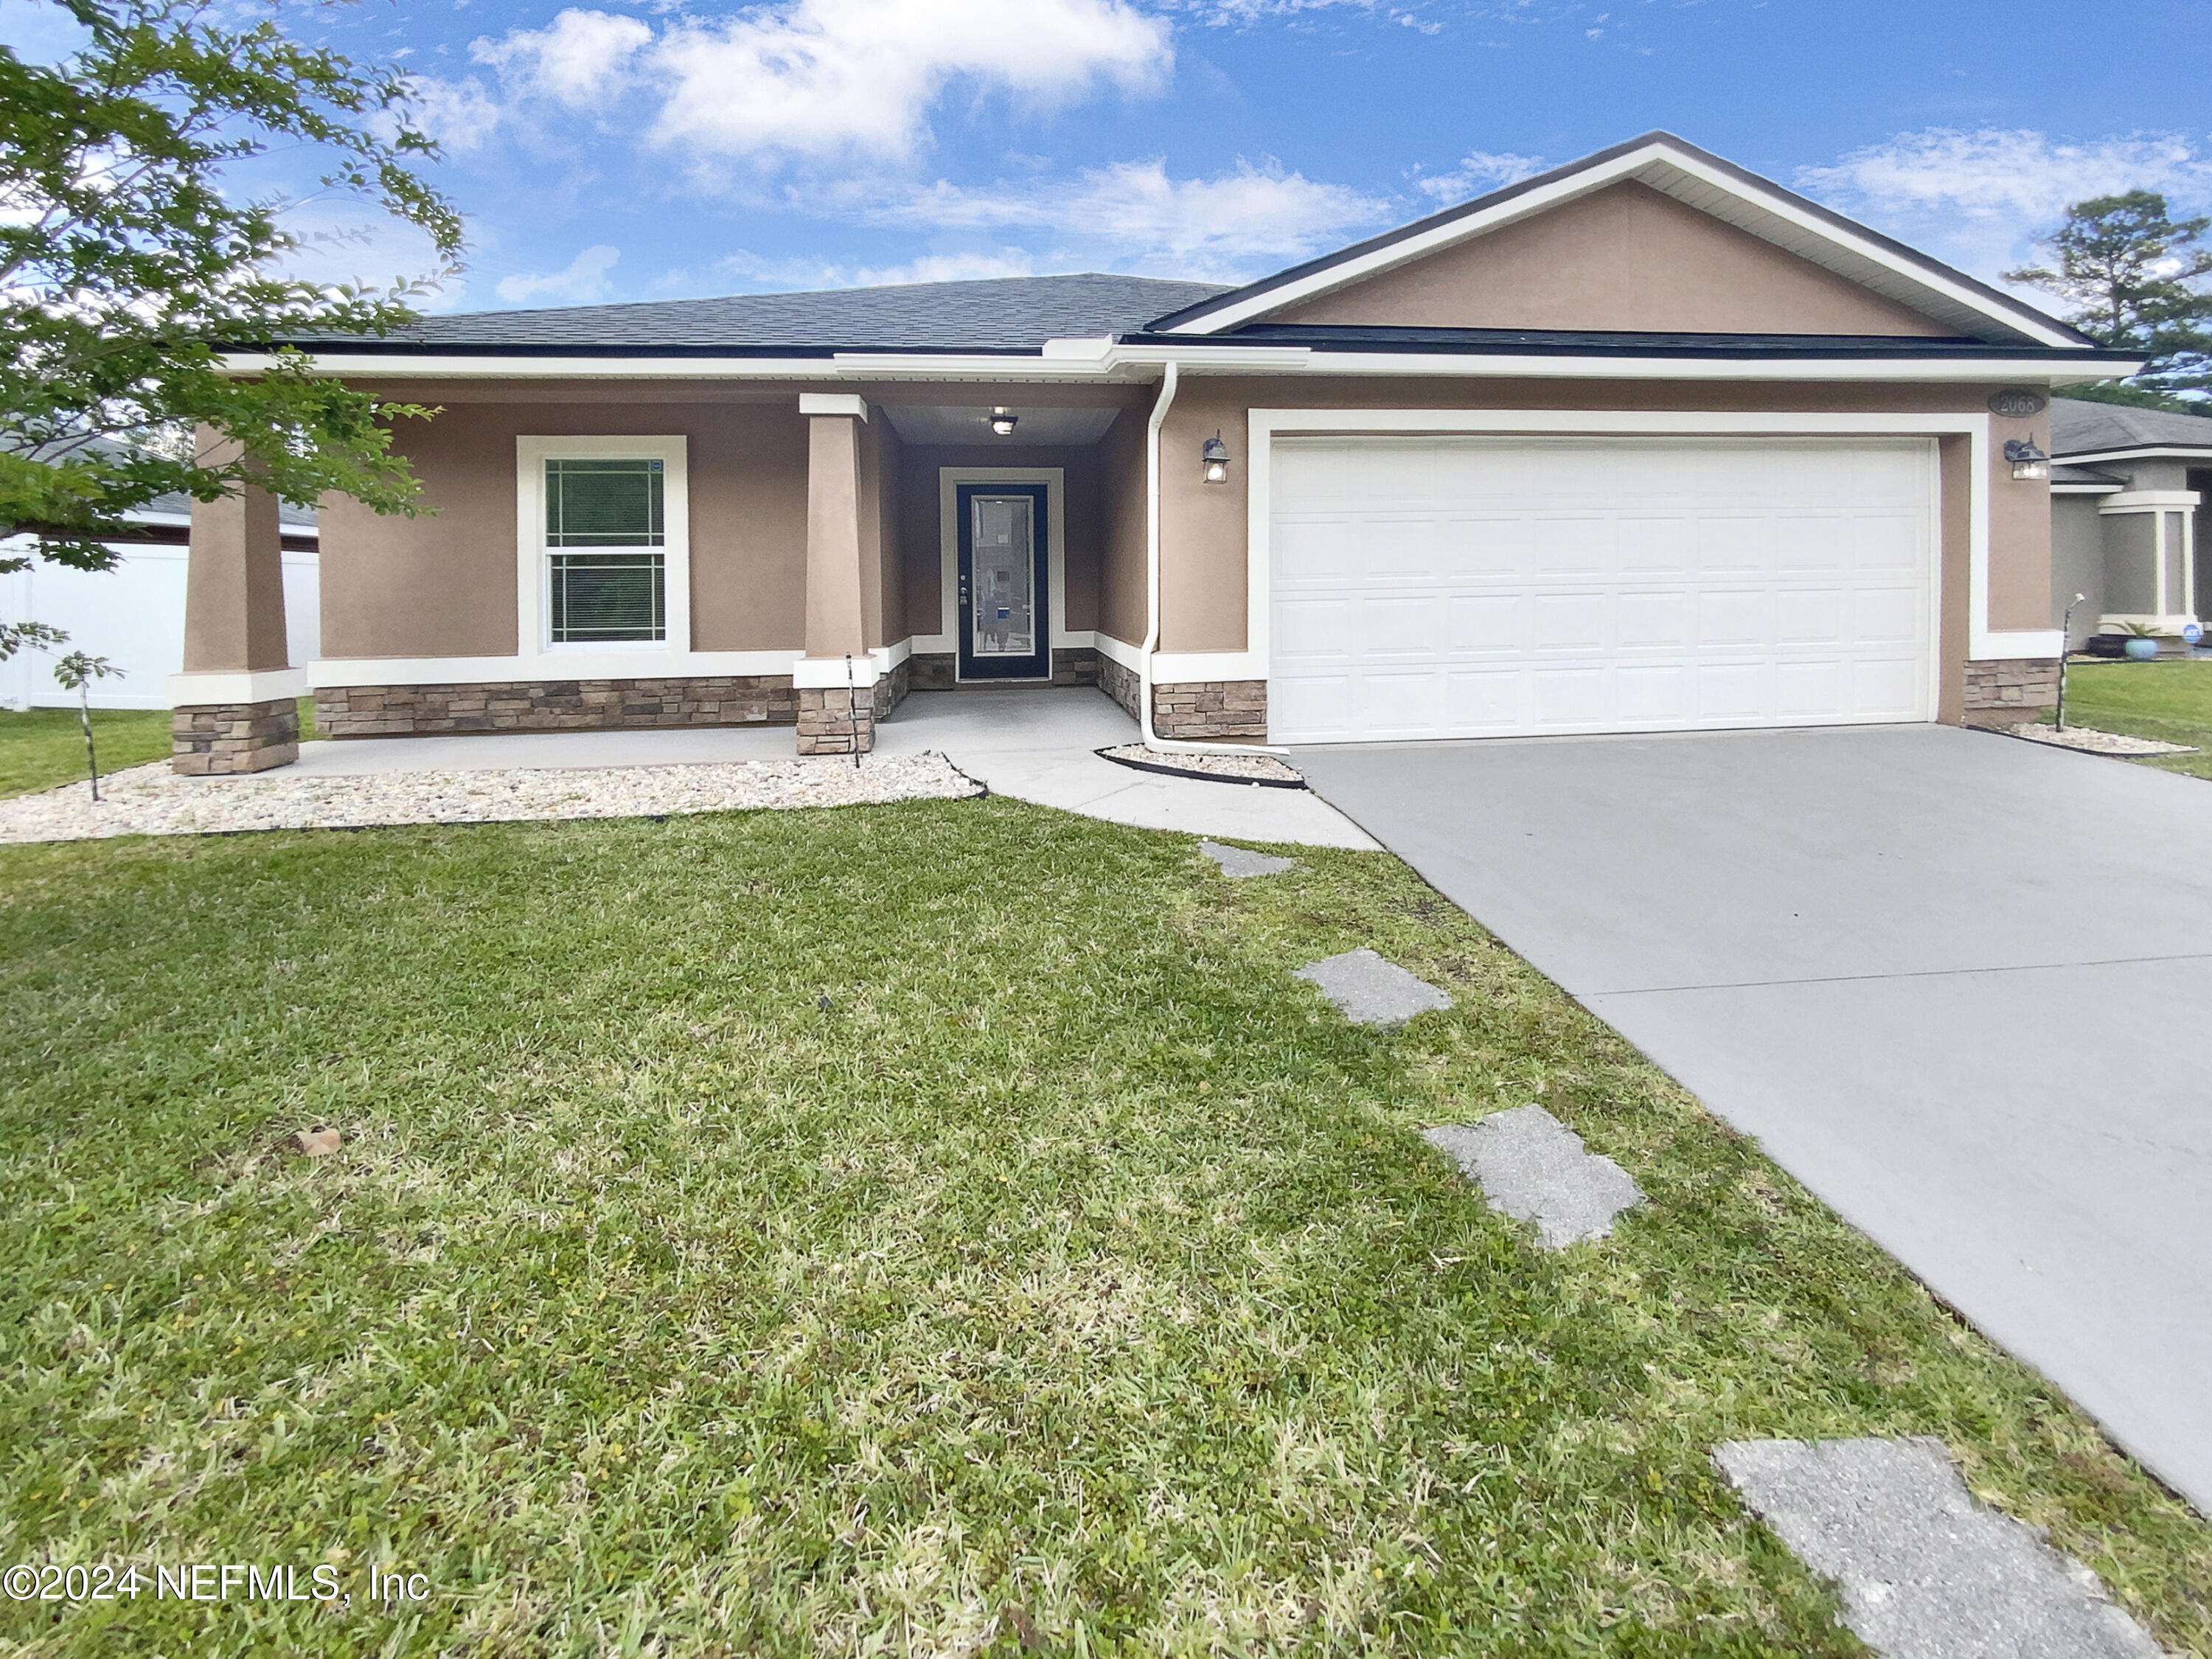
1888, 616
1477, 586
1401, 703
1314, 551
1486, 699
1654, 620
1654, 546
1488, 622
1569, 622
1734, 544
1409, 626
1734, 616
1812, 616
1472, 547
1572, 545
1313, 632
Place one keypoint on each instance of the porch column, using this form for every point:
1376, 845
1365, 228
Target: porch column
233, 703
836, 694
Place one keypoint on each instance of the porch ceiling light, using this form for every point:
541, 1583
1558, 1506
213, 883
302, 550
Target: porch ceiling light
1214, 458
1003, 422
2028, 462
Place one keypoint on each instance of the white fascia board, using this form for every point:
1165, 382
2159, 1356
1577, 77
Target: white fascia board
833, 402
2151, 501
845, 366
207, 690
2136, 453
2086, 488
1910, 370
1596, 178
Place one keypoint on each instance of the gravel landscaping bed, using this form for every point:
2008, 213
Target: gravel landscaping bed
2096, 743
152, 801
1247, 768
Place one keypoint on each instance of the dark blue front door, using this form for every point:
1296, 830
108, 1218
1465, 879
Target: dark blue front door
1005, 612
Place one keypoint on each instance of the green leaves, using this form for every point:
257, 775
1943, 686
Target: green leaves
2130, 268
125, 263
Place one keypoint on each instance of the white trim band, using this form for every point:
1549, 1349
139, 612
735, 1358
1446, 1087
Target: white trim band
206, 690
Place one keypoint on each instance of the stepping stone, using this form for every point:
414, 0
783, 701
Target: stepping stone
1371, 990
1925, 1571
1533, 1168
1242, 861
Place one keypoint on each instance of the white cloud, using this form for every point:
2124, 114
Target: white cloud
461, 115
1479, 171
584, 280
826, 79
1133, 213
1979, 198
574, 61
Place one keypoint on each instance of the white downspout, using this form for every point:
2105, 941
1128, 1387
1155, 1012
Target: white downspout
1151, 738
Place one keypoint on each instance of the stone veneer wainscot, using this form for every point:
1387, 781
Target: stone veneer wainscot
2016, 688
388, 711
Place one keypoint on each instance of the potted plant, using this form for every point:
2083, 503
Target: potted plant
2141, 641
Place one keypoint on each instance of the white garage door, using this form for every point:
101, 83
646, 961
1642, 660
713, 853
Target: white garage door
1468, 587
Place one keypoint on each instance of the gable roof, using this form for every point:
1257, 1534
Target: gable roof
2080, 426
1698, 178
1014, 313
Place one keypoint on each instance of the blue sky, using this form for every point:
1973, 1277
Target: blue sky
614, 151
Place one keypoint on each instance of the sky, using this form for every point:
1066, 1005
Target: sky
615, 151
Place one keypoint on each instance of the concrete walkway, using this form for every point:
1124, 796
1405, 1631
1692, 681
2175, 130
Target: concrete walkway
1956, 983
1031, 742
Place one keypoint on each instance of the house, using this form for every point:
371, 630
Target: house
1645, 443
2129, 494
133, 614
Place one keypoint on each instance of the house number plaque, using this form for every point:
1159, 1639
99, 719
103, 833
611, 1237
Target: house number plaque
2017, 403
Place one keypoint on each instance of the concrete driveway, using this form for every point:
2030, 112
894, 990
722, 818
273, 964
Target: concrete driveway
1957, 984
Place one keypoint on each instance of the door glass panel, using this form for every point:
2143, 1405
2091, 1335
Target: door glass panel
1002, 574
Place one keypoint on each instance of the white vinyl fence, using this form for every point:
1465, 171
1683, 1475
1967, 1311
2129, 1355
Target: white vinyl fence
134, 615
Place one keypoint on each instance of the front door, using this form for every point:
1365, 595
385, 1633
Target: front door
1006, 614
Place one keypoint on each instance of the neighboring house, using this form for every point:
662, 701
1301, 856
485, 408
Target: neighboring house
2129, 489
1646, 443
134, 614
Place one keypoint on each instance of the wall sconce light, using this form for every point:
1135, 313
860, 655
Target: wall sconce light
1215, 458
1003, 422
2028, 462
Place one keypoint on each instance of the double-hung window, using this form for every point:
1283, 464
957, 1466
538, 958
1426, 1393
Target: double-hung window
606, 558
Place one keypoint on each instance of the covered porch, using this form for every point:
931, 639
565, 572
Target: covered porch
801, 560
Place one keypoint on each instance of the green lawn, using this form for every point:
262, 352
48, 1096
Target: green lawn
40, 748
2169, 701
931, 1229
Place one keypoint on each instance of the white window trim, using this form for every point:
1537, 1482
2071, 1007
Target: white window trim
1984, 643
2162, 506
537, 657
947, 639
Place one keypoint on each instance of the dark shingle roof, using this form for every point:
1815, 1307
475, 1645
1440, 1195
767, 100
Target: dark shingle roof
1015, 314
2079, 426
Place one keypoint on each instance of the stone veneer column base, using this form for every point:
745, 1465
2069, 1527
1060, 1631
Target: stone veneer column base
836, 722
1212, 711
1119, 684
220, 739
393, 711
2011, 691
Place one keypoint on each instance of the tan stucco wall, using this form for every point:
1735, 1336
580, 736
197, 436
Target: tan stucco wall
920, 524
443, 584
1121, 543
233, 578
1624, 257
1203, 526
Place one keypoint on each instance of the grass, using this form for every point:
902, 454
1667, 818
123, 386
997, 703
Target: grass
937, 1228
43, 747
2169, 701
